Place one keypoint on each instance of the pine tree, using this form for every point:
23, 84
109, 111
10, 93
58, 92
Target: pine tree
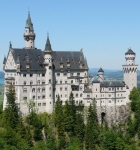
92, 129
11, 113
70, 115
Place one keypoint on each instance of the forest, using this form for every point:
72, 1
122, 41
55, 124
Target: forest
69, 127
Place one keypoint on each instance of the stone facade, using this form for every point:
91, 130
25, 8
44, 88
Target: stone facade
42, 75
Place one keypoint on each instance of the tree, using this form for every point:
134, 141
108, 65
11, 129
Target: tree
70, 115
11, 112
92, 129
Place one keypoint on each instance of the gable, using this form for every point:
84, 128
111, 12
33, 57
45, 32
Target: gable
10, 63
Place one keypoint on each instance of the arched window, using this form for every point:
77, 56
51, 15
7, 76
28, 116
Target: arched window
43, 82
31, 82
71, 81
43, 97
43, 89
24, 82
33, 90
33, 97
38, 82
81, 95
38, 90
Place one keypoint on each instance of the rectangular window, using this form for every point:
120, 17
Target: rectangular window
44, 104
65, 74
31, 75
78, 74
43, 75
39, 104
58, 74
24, 75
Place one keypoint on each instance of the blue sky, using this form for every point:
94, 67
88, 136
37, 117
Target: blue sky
105, 29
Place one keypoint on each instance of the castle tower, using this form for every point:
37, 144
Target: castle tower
48, 76
100, 74
29, 35
130, 70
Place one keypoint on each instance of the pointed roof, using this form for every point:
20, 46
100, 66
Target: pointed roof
130, 51
100, 70
48, 45
29, 23
4, 60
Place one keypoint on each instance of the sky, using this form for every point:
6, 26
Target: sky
104, 29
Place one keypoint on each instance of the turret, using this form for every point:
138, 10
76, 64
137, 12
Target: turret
130, 57
29, 35
48, 76
100, 74
130, 70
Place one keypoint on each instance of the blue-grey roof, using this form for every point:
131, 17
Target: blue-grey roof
112, 84
29, 23
36, 59
100, 70
130, 52
48, 45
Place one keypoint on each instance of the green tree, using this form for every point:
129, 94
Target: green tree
92, 129
70, 115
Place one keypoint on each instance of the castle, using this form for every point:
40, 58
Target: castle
41, 75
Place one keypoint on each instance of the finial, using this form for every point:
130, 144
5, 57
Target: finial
47, 34
10, 44
28, 11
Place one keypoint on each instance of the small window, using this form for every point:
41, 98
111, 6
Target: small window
44, 104
33, 90
38, 82
65, 81
71, 81
38, 90
43, 82
43, 89
31, 82
65, 88
24, 75
49, 80
39, 97
33, 97
109, 89
58, 74
39, 104
24, 82
65, 74
60, 88
31, 75
50, 95
43, 97
61, 82
76, 95
43, 75
78, 74
81, 95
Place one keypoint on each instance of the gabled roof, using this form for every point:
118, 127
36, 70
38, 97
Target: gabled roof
130, 51
35, 58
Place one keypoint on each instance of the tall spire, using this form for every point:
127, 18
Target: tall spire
29, 23
29, 35
48, 44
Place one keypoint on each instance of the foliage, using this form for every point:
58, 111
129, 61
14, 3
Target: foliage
65, 128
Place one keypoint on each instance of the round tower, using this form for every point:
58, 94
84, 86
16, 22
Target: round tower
48, 76
130, 69
29, 35
100, 74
